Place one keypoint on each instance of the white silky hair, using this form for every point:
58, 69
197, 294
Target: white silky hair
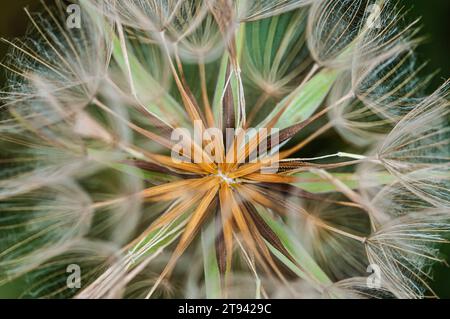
51, 219
67, 64
406, 247
417, 150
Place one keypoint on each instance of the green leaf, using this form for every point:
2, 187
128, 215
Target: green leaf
314, 184
275, 48
220, 85
113, 160
310, 270
240, 40
144, 174
143, 80
305, 100
211, 267
159, 238
222, 79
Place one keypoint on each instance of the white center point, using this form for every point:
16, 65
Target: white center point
224, 177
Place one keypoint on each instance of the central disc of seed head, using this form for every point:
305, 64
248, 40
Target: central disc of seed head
225, 178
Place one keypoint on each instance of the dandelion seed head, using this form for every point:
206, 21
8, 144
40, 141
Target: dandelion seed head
117, 154
356, 288
417, 149
404, 249
67, 64
42, 224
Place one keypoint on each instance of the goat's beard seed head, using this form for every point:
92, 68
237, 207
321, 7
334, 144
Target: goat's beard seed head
89, 179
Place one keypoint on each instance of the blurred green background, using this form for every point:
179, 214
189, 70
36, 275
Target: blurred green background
435, 16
